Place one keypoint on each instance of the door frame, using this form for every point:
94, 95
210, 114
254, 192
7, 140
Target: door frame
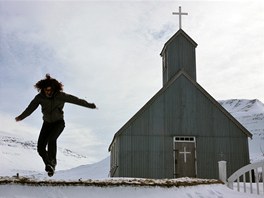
190, 139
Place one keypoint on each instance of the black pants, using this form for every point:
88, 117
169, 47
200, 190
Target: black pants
48, 139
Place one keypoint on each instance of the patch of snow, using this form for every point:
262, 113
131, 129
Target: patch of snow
201, 191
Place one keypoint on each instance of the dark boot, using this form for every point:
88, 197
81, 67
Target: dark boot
50, 170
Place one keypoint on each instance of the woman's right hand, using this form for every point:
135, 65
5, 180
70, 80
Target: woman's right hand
17, 119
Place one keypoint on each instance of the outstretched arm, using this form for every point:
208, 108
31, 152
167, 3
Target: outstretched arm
74, 100
31, 107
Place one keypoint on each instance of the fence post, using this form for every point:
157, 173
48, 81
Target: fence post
222, 171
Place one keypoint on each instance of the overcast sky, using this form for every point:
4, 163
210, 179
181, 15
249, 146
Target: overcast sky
107, 52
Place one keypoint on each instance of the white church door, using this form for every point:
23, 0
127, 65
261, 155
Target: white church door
184, 156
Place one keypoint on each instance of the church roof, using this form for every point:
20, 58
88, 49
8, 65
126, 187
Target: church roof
204, 92
179, 32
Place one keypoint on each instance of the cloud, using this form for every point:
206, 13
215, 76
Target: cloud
17, 129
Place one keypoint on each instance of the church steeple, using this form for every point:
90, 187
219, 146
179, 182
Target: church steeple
178, 54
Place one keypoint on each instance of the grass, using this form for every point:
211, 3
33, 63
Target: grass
115, 182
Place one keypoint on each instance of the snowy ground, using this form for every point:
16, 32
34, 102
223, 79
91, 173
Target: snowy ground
128, 191
76, 183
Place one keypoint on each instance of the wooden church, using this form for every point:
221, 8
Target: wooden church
182, 131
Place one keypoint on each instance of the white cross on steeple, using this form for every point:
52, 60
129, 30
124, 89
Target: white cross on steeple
180, 13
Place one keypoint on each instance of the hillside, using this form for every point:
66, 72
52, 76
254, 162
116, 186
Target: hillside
250, 113
18, 153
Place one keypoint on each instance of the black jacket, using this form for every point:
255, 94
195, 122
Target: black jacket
52, 108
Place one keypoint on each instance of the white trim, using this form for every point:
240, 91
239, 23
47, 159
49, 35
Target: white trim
184, 139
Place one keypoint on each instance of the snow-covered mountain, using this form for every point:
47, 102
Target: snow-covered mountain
250, 113
18, 152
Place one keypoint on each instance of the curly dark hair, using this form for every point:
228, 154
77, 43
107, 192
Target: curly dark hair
49, 82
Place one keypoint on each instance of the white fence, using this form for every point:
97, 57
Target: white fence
249, 178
